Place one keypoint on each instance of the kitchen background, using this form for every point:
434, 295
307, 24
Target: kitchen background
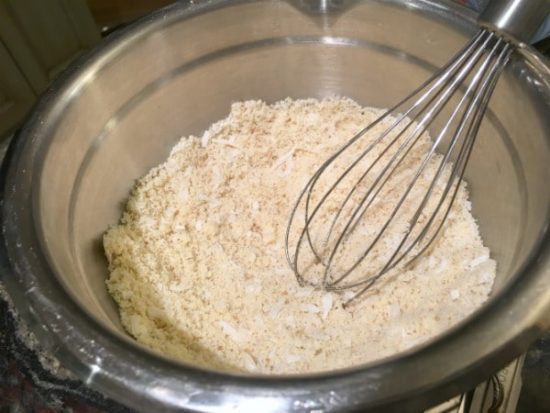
38, 39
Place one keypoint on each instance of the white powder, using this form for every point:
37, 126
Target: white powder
197, 263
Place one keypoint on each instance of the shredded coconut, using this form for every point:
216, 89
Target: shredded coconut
455, 294
197, 262
326, 304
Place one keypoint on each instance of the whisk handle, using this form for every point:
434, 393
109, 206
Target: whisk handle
519, 19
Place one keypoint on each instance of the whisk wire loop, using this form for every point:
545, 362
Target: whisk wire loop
365, 180
293, 261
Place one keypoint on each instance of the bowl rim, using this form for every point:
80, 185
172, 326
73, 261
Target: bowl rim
144, 380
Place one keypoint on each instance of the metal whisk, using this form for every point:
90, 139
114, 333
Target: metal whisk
343, 233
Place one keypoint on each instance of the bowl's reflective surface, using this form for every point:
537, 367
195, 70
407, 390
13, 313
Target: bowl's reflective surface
108, 122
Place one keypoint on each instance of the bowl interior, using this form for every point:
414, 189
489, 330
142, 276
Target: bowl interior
124, 113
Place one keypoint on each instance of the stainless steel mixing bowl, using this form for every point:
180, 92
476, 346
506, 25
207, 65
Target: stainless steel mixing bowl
116, 112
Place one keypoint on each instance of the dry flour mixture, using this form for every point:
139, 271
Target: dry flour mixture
197, 263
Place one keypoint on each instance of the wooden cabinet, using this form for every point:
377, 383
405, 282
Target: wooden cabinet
110, 13
16, 95
38, 38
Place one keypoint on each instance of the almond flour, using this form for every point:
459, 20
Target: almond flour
197, 262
